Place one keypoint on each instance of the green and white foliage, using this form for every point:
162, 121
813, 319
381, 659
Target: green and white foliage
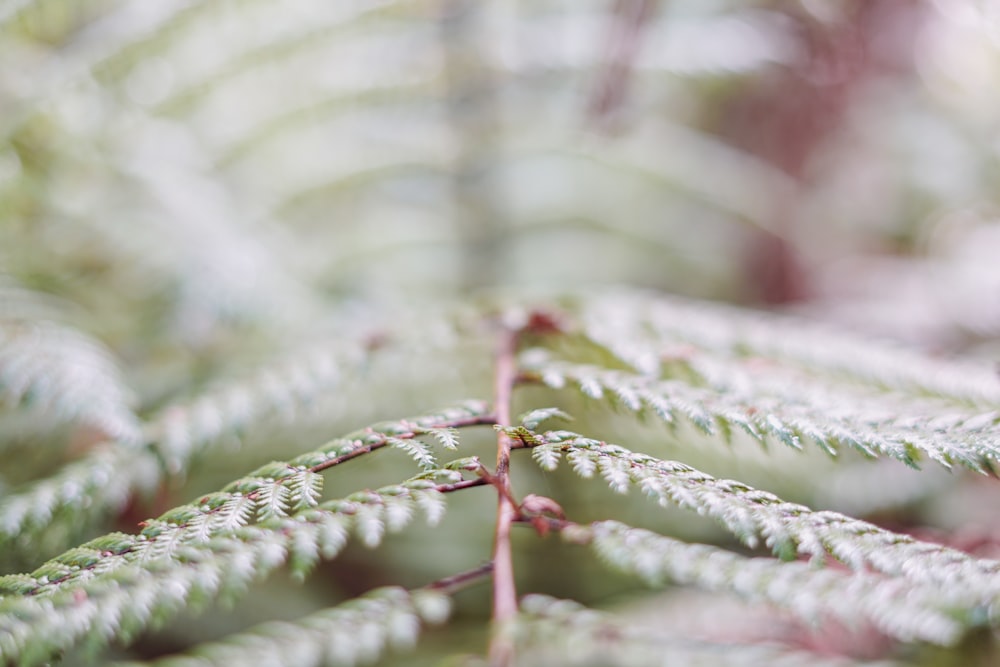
59, 372
230, 230
564, 632
356, 632
927, 584
826, 567
900, 608
726, 371
118, 585
101, 482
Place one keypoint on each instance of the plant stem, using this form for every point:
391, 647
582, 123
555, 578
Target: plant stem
456, 582
479, 420
501, 653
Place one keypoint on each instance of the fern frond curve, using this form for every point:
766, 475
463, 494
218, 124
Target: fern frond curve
66, 376
788, 529
872, 425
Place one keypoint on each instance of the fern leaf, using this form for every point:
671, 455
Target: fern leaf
531, 420
274, 489
870, 424
303, 551
788, 529
273, 499
67, 376
446, 437
233, 514
399, 508
82, 489
369, 522
554, 631
149, 578
359, 630
897, 606
431, 502
275, 392
48, 512
417, 450
332, 535
305, 488
547, 457
644, 326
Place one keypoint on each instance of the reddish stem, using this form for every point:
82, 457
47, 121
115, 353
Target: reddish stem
501, 651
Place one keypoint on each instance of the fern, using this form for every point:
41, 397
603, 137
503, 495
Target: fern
356, 632
553, 630
371, 195
753, 515
60, 372
214, 549
191, 555
82, 492
765, 410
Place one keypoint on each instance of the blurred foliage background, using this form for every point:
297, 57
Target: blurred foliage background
205, 187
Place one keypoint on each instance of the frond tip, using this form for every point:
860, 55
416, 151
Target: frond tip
66, 376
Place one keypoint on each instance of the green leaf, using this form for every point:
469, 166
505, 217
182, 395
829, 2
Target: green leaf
531, 420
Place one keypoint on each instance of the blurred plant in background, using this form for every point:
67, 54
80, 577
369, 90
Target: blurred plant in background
196, 198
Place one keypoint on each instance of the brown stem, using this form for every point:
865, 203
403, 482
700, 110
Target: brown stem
501, 651
457, 582
480, 420
458, 486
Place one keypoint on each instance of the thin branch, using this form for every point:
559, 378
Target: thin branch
501, 651
456, 582
480, 420
458, 486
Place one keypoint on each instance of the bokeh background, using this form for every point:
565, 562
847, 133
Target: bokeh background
234, 159
204, 186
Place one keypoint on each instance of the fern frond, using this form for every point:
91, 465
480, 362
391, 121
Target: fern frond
65, 376
553, 631
133, 581
83, 489
531, 420
50, 512
446, 437
788, 529
789, 413
651, 331
281, 391
416, 450
272, 491
358, 631
895, 605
